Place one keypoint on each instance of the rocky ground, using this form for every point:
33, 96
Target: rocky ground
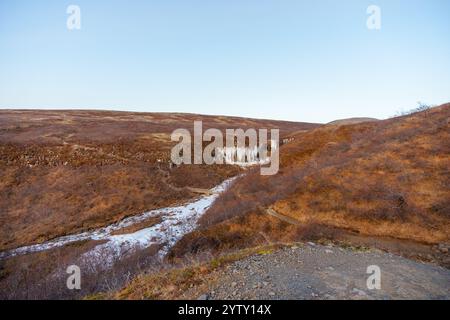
314, 271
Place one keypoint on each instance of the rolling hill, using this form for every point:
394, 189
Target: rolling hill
379, 183
63, 172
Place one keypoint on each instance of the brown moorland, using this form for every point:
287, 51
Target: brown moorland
378, 183
63, 172
363, 184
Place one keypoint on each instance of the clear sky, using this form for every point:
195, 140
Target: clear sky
294, 60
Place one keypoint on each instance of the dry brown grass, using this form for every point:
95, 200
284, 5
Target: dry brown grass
42, 203
380, 184
63, 172
387, 179
172, 283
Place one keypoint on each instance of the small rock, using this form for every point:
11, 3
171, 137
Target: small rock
359, 292
271, 293
328, 251
233, 284
203, 297
311, 244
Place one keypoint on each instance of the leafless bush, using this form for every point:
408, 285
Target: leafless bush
43, 276
421, 107
250, 193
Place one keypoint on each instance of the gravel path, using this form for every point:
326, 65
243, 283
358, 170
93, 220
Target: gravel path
325, 272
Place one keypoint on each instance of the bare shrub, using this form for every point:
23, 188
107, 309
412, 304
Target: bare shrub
421, 107
250, 193
316, 231
43, 275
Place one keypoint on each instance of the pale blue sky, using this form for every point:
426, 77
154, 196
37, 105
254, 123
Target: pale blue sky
294, 60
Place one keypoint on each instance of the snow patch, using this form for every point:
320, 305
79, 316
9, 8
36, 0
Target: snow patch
176, 222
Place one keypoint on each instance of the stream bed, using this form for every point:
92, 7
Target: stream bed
176, 222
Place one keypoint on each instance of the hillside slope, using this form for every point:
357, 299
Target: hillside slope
388, 178
348, 121
63, 172
383, 183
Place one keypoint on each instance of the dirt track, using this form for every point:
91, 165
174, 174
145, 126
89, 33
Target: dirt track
324, 272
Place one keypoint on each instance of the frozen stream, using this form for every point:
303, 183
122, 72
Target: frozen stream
176, 222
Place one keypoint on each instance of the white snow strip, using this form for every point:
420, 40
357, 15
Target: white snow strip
177, 221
